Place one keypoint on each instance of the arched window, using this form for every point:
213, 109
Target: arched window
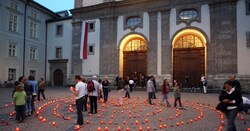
135, 45
188, 41
132, 21
188, 14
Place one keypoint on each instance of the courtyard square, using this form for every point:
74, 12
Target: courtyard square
58, 113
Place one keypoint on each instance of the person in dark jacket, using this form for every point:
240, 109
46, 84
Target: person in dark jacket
29, 90
233, 99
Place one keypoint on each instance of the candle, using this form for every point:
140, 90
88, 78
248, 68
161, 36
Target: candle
53, 123
17, 129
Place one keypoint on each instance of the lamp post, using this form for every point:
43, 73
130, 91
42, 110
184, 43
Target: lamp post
24, 34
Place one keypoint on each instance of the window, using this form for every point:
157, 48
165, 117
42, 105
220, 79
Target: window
248, 39
59, 52
33, 15
13, 5
12, 49
188, 41
132, 21
59, 30
188, 14
33, 73
136, 45
91, 50
32, 54
33, 29
12, 74
13, 22
91, 26
247, 4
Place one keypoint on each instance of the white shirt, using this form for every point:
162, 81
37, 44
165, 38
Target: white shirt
131, 82
81, 87
95, 92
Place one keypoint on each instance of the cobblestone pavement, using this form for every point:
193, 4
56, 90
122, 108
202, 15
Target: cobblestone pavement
135, 115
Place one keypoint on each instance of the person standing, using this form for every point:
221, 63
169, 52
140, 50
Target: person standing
28, 90
41, 88
79, 92
150, 87
120, 88
131, 84
154, 89
105, 87
165, 90
100, 89
93, 96
35, 91
19, 99
127, 88
177, 94
204, 83
233, 99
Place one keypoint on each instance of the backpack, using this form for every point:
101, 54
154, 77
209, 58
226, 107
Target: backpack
91, 86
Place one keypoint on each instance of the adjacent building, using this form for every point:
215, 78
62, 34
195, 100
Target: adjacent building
23, 35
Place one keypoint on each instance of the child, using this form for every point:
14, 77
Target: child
19, 100
177, 94
165, 88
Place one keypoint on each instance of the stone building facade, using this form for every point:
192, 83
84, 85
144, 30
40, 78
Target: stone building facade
167, 39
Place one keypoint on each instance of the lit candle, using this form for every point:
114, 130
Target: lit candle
110, 122
99, 129
106, 128
148, 128
118, 128
53, 123
127, 129
160, 126
17, 129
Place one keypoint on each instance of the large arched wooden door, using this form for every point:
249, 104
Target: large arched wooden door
135, 59
188, 60
58, 77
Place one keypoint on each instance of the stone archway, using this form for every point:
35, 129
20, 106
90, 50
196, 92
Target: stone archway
189, 57
133, 58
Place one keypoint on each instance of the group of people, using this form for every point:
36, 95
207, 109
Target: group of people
231, 101
165, 91
91, 90
24, 95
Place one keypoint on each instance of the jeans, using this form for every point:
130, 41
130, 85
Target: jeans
38, 96
177, 99
32, 103
79, 108
28, 104
149, 97
231, 115
93, 103
127, 93
105, 94
165, 97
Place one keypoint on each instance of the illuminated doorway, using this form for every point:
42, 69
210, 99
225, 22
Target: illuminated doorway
189, 57
133, 58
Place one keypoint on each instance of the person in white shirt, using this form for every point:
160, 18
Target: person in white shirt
93, 96
131, 84
79, 92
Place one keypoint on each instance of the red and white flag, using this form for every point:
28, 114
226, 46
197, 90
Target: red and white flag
84, 41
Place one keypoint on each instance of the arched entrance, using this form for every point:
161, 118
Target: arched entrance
58, 77
133, 58
189, 54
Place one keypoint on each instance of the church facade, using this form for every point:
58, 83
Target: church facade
168, 39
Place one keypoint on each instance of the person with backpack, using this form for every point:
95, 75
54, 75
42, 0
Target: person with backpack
93, 89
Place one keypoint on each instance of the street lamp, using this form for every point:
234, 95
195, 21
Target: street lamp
24, 34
